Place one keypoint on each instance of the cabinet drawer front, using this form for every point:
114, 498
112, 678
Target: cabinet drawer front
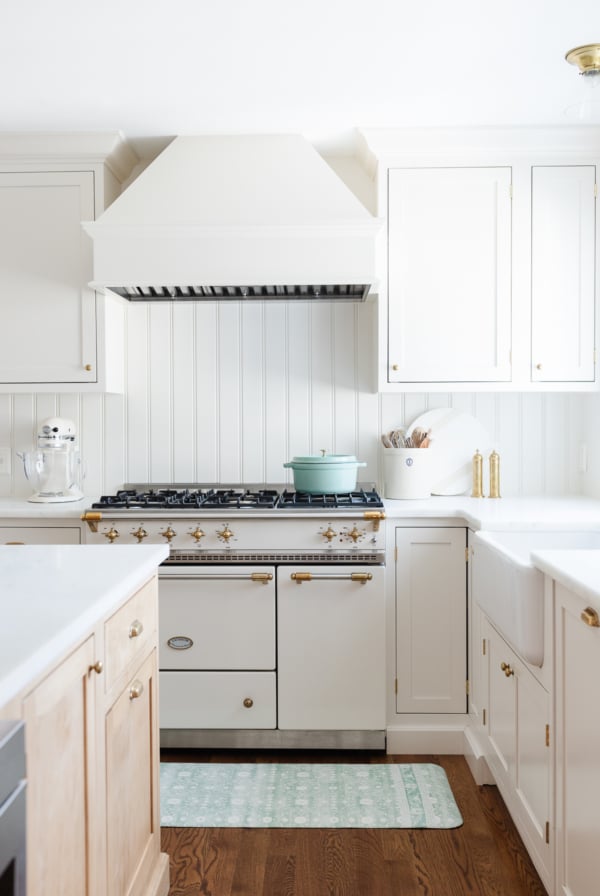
131, 631
39, 535
217, 700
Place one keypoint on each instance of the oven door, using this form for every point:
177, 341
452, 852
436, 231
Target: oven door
331, 647
217, 647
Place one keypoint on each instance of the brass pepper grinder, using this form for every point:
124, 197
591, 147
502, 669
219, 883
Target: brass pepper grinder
477, 475
494, 475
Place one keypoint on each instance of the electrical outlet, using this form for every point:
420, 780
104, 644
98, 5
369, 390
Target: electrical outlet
4, 461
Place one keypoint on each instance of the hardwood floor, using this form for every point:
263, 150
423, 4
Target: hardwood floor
484, 857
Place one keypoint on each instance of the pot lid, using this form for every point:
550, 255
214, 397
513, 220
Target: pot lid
326, 458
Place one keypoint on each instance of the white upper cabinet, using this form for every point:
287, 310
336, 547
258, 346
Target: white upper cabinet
449, 266
563, 253
489, 268
58, 334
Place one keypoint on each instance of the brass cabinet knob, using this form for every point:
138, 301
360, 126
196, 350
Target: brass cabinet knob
507, 669
140, 533
136, 690
329, 534
169, 533
538, 366
136, 628
197, 534
97, 667
248, 702
111, 534
225, 533
88, 367
590, 617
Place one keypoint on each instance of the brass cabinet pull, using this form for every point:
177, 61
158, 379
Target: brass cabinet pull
590, 617
97, 667
507, 669
136, 690
248, 702
136, 628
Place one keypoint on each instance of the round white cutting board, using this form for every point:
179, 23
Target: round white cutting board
455, 437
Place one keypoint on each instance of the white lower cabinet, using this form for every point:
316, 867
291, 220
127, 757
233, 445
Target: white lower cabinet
331, 648
28, 534
431, 620
516, 717
577, 645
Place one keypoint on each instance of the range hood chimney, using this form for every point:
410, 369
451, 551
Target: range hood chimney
236, 217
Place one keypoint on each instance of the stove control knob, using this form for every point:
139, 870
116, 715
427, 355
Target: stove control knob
225, 534
140, 533
197, 534
111, 534
329, 534
355, 534
168, 533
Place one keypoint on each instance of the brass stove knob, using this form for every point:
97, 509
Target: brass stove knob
168, 533
354, 534
197, 534
140, 533
329, 534
225, 533
111, 534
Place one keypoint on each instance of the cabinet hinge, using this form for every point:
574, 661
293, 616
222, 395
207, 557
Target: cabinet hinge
484, 714
547, 832
547, 735
510, 190
466, 555
395, 555
467, 686
395, 685
595, 189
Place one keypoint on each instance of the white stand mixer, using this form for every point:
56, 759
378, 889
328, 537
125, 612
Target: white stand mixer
54, 468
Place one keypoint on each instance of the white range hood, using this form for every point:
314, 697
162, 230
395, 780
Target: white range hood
236, 217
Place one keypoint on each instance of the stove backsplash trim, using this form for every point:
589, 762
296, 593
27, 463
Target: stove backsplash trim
228, 393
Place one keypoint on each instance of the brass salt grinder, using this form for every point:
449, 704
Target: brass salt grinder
477, 475
494, 475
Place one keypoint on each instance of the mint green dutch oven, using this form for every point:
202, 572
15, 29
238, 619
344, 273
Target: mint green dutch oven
324, 473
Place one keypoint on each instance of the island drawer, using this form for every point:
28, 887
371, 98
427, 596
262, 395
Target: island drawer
130, 632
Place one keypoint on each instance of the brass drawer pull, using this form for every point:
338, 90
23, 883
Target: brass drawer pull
248, 702
136, 690
590, 617
136, 628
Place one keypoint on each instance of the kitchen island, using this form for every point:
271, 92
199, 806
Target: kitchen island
78, 664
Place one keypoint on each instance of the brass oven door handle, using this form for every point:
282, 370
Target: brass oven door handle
262, 577
362, 577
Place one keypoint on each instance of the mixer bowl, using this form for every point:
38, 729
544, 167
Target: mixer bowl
55, 473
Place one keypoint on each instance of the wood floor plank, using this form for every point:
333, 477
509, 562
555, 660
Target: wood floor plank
484, 857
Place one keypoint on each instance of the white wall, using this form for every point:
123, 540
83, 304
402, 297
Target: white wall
227, 393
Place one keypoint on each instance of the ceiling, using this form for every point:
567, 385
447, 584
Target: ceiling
157, 68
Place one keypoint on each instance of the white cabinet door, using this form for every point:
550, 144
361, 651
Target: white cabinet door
49, 320
431, 620
331, 649
563, 254
449, 261
519, 752
39, 535
578, 746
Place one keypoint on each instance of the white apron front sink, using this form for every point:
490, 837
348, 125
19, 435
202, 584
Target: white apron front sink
510, 590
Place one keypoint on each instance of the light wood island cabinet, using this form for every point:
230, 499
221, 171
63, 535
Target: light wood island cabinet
91, 735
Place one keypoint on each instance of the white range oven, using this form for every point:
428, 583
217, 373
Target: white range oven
271, 612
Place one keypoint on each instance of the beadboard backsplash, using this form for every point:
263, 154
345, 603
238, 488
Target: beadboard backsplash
226, 393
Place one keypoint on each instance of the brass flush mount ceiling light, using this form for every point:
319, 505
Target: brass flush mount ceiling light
587, 58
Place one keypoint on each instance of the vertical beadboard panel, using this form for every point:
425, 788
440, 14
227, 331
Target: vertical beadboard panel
532, 448
25, 438
368, 420
556, 443
114, 444
509, 446
184, 393
321, 372
345, 432
299, 422
207, 394
161, 433
92, 443
137, 376
276, 392
255, 343
229, 388
7, 441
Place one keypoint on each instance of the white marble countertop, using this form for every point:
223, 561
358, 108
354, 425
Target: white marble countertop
577, 570
52, 596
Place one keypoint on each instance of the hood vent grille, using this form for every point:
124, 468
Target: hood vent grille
343, 293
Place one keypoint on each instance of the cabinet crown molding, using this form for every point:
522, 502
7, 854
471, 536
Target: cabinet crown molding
80, 148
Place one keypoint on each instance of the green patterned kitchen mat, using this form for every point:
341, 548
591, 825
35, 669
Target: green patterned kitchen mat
289, 795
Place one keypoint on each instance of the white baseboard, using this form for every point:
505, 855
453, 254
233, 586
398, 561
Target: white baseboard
476, 759
421, 740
